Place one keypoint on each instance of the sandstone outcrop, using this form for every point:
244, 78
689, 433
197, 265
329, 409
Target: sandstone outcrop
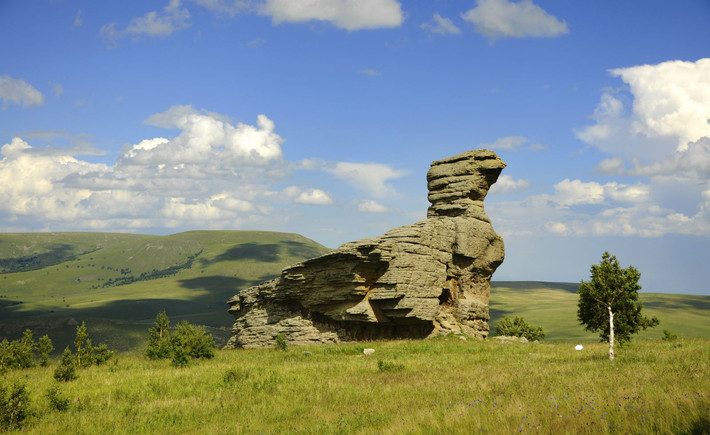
425, 279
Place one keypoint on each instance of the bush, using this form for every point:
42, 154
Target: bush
14, 406
280, 342
518, 327
66, 370
56, 400
669, 336
191, 341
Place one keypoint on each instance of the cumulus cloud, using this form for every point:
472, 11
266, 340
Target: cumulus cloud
205, 137
171, 19
506, 183
502, 18
669, 107
441, 26
345, 14
212, 174
693, 160
308, 196
19, 91
371, 177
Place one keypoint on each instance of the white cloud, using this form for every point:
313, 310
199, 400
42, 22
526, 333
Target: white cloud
510, 143
691, 161
228, 7
19, 91
502, 18
370, 206
308, 196
441, 26
205, 136
670, 108
346, 14
506, 183
371, 177
170, 20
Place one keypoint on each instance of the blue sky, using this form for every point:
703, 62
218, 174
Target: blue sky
322, 117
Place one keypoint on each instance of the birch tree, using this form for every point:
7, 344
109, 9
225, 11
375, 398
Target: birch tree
608, 303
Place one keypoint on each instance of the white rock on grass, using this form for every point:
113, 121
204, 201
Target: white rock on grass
368, 351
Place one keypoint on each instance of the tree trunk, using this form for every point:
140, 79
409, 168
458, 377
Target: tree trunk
611, 333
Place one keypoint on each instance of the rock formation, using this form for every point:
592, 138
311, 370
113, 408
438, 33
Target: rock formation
421, 280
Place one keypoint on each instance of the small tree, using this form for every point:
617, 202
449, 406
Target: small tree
45, 347
608, 303
82, 346
159, 344
66, 370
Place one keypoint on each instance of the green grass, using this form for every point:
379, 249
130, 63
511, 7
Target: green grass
444, 385
554, 307
69, 287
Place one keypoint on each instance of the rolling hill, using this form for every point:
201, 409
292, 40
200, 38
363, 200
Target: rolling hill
117, 283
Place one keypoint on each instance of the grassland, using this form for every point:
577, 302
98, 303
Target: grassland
444, 385
554, 307
51, 281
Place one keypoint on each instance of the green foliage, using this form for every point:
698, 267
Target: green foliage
191, 341
14, 406
66, 370
180, 357
101, 354
615, 288
56, 400
82, 346
280, 342
518, 327
669, 336
18, 354
45, 347
159, 343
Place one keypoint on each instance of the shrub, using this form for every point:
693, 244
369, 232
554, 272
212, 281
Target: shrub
14, 405
66, 370
518, 327
101, 354
192, 341
280, 342
56, 400
669, 336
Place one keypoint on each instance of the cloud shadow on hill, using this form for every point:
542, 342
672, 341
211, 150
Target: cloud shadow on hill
264, 253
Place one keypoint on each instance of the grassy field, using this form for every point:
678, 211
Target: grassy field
554, 307
51, 281
444, 385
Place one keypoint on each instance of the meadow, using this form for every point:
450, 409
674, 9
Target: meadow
445, 385
118, 283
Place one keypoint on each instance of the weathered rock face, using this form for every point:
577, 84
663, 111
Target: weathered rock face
420, 280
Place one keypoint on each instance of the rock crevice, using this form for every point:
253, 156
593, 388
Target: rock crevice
424, 279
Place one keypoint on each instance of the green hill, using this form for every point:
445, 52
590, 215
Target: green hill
117, 283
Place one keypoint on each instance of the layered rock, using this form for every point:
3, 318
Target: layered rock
425, 279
